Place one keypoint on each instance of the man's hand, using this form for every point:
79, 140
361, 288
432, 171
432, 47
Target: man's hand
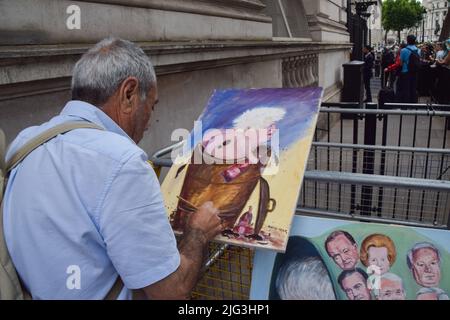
203, 226
206, 221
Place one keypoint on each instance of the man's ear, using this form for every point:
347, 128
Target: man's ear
129, 94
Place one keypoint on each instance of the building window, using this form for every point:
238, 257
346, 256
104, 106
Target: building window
288, 18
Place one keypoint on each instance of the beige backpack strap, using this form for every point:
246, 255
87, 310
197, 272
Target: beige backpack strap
11, 287
2, 153
44, 137
2, 164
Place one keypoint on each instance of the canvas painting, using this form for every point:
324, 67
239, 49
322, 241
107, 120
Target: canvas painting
247, 154
329, 259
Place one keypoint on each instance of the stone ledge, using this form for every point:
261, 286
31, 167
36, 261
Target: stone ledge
156, 48
321, 20
27, 22
43, 63
218, 8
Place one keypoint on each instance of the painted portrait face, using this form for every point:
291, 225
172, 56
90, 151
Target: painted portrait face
355, 287
225, 144
379, 257
426, 269
343, 252
391, 290
236, 144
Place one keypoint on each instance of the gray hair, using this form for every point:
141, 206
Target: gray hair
418, 246
441, 295
101, 70
305, 279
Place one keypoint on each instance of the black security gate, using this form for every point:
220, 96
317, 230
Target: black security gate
357, 27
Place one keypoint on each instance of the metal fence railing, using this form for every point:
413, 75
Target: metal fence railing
385, 193
405, 144
398, 200
419, 128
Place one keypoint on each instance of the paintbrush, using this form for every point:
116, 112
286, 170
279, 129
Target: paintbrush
188, 203
219, 213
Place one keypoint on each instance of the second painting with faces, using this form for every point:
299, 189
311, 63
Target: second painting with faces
329, 259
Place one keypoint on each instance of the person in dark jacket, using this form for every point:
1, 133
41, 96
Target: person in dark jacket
387, 59
367, 72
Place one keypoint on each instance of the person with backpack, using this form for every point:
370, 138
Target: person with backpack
410, 65
393, 72
82, 214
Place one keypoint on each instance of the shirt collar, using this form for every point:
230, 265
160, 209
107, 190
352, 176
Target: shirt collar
91, 113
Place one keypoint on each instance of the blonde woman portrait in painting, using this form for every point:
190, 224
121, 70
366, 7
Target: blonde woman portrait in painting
378, 250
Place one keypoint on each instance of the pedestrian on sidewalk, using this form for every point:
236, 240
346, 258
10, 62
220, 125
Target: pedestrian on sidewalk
443, 94
387, 59
394, 70
368, 71
410, 62
426, 76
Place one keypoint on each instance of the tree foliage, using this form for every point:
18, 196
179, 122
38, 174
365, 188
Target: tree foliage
398, 15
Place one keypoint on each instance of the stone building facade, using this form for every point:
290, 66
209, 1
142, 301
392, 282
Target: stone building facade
434, 19
430, 28
196, 46
374, 24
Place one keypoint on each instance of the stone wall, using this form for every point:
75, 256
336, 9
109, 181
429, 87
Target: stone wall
44, 21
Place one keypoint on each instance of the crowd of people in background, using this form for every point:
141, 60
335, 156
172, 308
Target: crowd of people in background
412, 70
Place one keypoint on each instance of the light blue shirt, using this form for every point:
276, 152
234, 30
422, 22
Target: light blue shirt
89, 200
405, 54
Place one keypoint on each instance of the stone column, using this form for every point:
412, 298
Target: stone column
327, 20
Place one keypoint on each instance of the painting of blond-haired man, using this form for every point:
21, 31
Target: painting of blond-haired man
378, 250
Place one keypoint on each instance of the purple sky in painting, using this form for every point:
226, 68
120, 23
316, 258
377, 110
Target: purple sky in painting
301, 105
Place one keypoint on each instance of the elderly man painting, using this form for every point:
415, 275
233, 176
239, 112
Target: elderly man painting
342, 248
87, 200
424, 262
